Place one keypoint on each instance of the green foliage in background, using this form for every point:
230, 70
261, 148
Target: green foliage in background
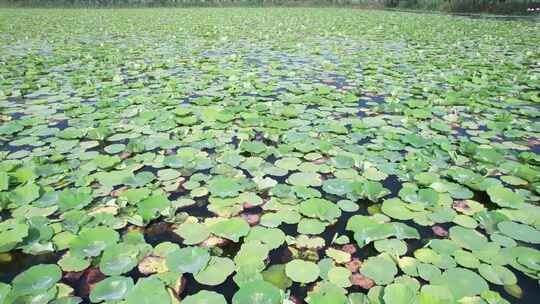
463, 6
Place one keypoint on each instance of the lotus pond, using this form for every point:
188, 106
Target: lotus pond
266, 156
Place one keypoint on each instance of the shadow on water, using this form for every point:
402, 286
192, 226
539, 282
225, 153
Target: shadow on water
15, 262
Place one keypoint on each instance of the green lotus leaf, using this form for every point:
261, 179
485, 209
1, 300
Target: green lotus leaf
232, 229
462, 282
527, 257
255, 147
380, 269
488, 155
305, 179
505, 197
118, 259
520, 232
247, 274
74, 198
428, 272
320, 208
340, 276
222, 186
151, 207
71, 262
148, 291
372, 190
106, 161
499, 275
426, 178
5, 290
371, 173
25, 194
393, 246
397, 209
288, 163
327, 293
466, 259
252, 254
338, 256
113, 178
92, 241
337, 186
435, 294
304, 241
12, 232
216, 271
302, 271
367, 230
276, 275
36, 279
111, 289
310, 226
188, 259
139, 179
400, 294
193, 233
205, 297
272, 237
258, 292
468, 238
343, 162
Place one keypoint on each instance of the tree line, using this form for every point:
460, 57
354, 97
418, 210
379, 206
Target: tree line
493, 6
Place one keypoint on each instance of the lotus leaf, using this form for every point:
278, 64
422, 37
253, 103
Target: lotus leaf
193, 233
111, 289
232, 229
320, 208
380, 269
205, 297
36, 279
222, 186
520, 232
188, 259
463, 282
258, 292
215, 272
302, 271
92, 241
400, 294
148, 291
504, 197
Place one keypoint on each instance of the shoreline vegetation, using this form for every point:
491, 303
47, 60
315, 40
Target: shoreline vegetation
521, 8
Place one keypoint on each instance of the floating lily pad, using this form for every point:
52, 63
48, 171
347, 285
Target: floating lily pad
504, 197
302, 271
215, 272
111, 289
205, 297
148, 291
189, 259
36, 279
463, 282
497, 274
92, 241
193, 233
258, 292
399, 293
232, 229
380, 269
305, 179
223, 186
520, 232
